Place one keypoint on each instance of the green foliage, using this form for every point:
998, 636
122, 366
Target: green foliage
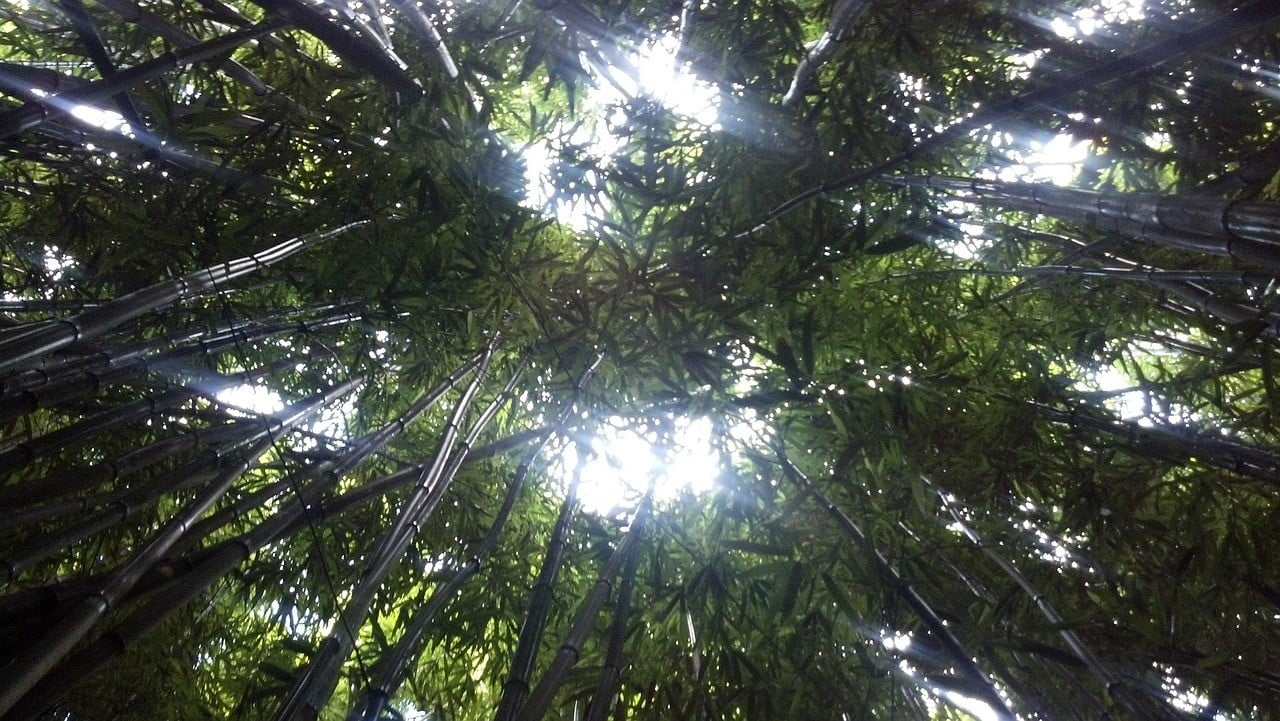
1113, 438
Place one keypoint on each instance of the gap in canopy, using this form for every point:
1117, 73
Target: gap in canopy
683, 456
564, 169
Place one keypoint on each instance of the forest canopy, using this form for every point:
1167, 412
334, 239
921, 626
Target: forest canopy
688, 359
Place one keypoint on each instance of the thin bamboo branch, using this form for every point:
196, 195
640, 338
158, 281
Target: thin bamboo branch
1053, 96
894, 581
1171, 443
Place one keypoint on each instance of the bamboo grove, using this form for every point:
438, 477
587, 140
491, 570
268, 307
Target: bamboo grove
326, 326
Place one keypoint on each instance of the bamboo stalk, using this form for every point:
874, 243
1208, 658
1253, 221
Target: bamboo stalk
329, 471
380, 62
35, 662
33, 114
566, 658
15, 353
390, 671
1179, 284
15, 403
88, 33
26, 452
418, 20
54, 598
843, 17
1114, 688
515, 690
894, 582
56, 485
1173, 443
70, 506
89, 356
1247, 231
156, 25
314, 686
611, 675
128, 503
112, 644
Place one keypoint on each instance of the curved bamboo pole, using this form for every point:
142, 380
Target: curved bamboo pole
389, 672
34, 662
314, 686
17, 352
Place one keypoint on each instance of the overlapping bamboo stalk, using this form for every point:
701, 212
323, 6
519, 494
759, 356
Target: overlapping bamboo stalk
33, 114
34, 662
19, 349
1244, 230
390, 671
542, 695
315, 685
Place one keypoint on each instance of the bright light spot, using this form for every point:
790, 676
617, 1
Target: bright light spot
682, 456
105, 119
1087, 21
246, 400
563, 171
56, 263
1158, 141
896, 641
1057, 161
1129, 405
657, 77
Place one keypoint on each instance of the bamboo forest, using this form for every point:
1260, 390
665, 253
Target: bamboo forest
682, 360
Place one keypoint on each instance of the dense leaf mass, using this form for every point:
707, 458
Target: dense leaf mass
353, 354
